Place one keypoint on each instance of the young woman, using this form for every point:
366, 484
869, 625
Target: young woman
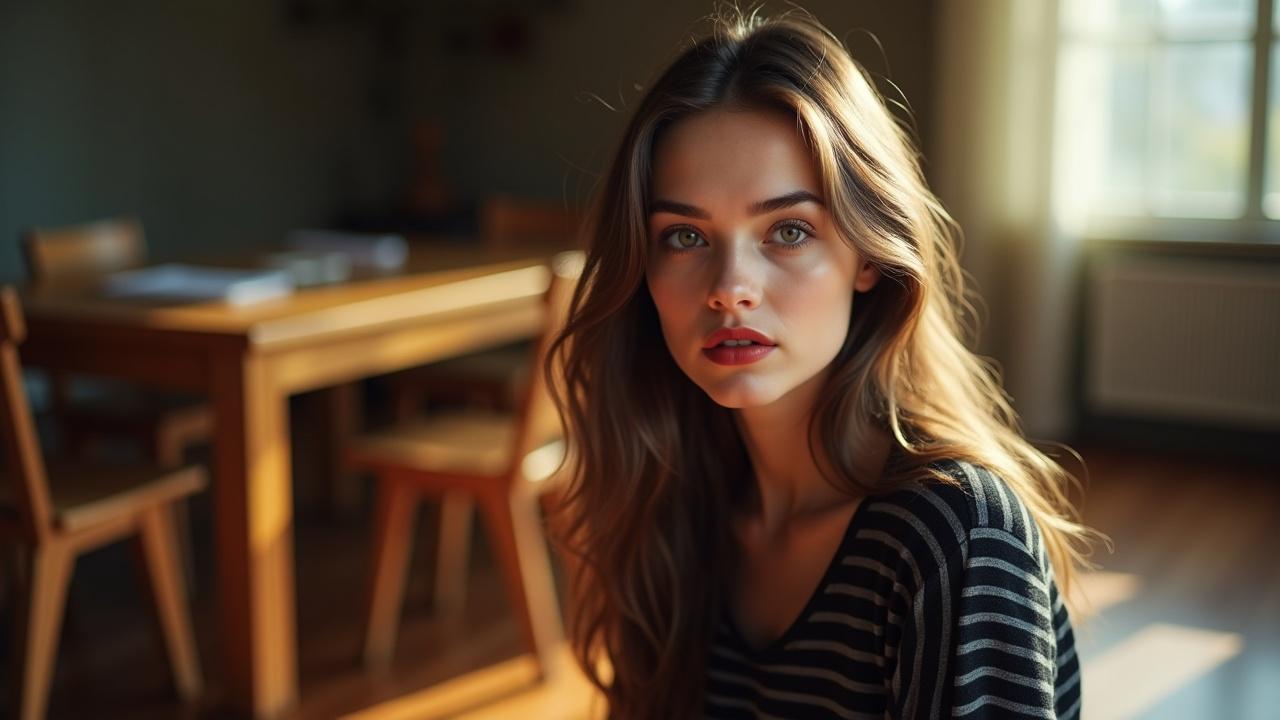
795, 492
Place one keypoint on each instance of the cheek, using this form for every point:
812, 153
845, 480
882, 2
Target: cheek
818, 300
670, 299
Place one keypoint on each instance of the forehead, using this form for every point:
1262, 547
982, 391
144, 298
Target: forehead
732, 155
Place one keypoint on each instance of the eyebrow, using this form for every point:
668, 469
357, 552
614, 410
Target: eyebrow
758, 208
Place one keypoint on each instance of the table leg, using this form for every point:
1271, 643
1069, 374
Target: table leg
254, 518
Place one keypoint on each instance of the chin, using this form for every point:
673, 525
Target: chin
738, 395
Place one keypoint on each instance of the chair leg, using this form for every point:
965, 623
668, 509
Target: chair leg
515, 532
49, 574
170, 453
160, 545
392, 542
453, 554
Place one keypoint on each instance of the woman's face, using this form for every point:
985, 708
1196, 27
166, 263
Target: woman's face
744, 251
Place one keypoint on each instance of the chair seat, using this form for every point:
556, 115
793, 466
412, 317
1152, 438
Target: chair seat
85, 494
465, 443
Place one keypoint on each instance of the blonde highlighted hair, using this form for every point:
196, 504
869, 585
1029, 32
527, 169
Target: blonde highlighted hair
657, 466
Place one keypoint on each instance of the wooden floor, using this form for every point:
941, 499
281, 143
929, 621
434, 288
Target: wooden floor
1185, 619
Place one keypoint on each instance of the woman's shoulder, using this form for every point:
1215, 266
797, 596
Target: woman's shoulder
957, 500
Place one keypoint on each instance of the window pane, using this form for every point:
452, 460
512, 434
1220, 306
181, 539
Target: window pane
1125, 146
1154, 108
1199, 18
1200, 129
1102, 131
1100, 17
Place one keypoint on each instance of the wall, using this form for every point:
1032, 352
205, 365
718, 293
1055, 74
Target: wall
541, 123
221, 125
994, 86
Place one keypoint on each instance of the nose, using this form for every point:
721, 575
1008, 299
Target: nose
737, 284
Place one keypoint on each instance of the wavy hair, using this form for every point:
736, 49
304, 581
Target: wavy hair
656, 466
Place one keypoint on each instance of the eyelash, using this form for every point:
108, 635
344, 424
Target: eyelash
800, 225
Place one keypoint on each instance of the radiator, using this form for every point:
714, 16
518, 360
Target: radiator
1185, 340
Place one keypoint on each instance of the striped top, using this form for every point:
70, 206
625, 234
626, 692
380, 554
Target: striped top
940, 601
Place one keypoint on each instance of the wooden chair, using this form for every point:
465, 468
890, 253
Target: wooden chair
164, 424
492, 379
84, 251
58, 512
498, 461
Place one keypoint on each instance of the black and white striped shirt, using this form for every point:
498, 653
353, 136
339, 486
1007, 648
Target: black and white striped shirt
940, 601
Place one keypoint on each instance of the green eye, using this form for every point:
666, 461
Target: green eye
792, 234
684, 239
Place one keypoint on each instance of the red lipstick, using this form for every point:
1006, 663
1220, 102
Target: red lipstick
756, 345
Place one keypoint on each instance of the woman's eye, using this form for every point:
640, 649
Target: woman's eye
791, 235
684, 239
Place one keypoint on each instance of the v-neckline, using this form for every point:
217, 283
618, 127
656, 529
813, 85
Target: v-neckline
780, 642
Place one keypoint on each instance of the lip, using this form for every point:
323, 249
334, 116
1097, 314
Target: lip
738, 333
738, 355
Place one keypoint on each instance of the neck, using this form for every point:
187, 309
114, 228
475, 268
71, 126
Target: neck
793, 483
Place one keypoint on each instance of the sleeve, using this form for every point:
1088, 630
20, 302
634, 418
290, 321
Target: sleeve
979, 641
1004, 660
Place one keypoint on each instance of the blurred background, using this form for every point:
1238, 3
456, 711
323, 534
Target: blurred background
1114, 164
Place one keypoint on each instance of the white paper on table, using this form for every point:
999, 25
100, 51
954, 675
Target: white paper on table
193, 282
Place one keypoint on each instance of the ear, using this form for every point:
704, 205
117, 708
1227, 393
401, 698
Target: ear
867, 277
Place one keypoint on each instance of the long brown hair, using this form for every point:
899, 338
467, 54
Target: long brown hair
657, 466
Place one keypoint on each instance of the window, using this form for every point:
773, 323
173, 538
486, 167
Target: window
1170, 109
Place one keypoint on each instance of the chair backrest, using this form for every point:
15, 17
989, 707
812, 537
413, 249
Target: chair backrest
508, 223
95, 248
27, 489
538, 422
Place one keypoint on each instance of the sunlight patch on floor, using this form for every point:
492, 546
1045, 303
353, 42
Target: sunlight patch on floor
1148, 666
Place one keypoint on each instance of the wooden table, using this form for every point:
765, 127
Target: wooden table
249, 360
